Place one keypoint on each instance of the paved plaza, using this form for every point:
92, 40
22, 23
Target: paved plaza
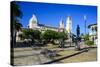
33, 56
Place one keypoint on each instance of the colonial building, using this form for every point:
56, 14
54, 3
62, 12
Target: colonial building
93, 32
34, 24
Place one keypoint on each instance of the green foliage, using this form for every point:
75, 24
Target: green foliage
15, 9
15, 24
31, 34
16, 14
36, 34
82, 35
26, 33
86, 37
89, 43
51, 35
62, 35
21, 36
18, 26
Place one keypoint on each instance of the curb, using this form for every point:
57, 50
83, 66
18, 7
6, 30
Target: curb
84, 50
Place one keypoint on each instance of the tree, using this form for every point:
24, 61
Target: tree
89, 43
31, 34
15, 25
86, 37
62, 35
50, 36
37, 34
15, 15
21, 36
15, 10
26, 33
82, 35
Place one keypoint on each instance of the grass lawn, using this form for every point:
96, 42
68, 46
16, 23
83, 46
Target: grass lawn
91, 55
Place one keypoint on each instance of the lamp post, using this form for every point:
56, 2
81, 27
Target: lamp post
85, 24
85, 18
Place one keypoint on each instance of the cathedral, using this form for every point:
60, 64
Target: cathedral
33, 24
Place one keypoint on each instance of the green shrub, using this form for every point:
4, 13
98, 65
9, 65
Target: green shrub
89, 43
51, 35
31, 34
86, 37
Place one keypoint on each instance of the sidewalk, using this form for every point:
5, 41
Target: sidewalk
29, 56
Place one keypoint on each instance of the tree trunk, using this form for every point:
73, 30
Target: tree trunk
13, 44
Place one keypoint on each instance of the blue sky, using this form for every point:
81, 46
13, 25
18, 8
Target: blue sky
51, 14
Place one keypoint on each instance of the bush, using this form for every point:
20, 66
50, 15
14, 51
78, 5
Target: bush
31, 34
51, 35
62, 35
89, 43
86, 37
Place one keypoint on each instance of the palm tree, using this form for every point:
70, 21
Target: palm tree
15, 26
15, 15
15, 9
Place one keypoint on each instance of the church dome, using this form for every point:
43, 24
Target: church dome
33, 21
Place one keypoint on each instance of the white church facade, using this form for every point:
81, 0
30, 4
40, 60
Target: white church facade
33, 24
